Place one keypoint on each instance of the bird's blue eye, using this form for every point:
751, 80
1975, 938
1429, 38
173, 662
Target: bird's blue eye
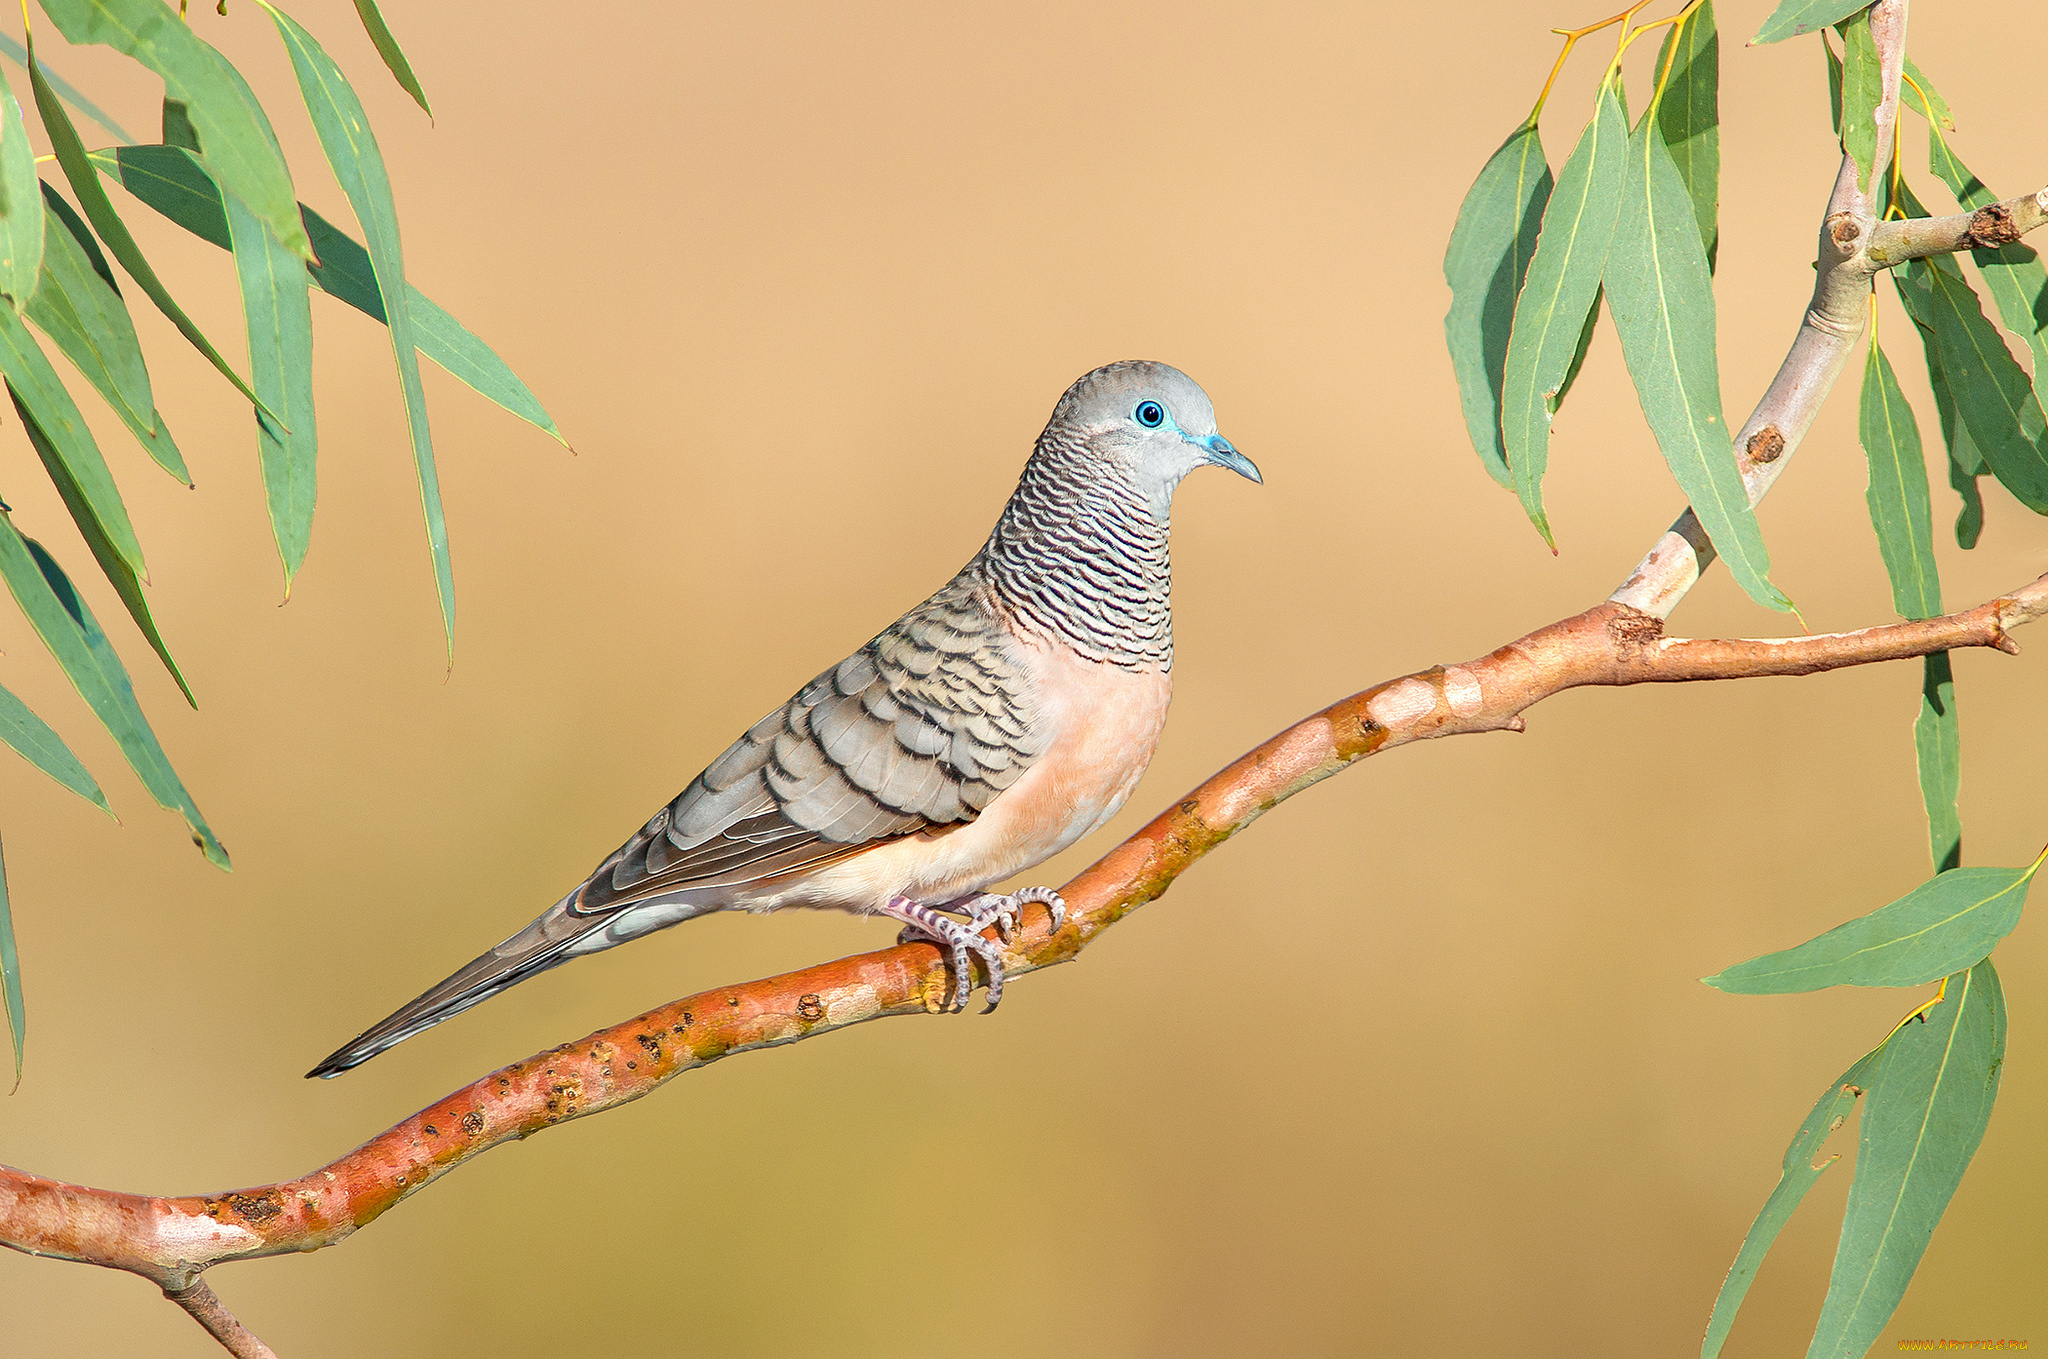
1150, 414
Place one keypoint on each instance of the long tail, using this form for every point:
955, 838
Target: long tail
545, 943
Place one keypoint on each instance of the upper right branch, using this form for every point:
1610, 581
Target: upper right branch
1827, 335
1994, 224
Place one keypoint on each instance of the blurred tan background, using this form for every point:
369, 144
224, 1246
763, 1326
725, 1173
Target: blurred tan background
801, 283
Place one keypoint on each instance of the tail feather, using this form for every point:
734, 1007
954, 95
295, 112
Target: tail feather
535, 949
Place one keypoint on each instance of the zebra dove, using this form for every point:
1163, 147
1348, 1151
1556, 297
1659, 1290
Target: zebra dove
986, 730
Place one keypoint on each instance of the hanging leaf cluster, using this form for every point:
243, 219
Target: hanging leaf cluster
1630, 222
219, 173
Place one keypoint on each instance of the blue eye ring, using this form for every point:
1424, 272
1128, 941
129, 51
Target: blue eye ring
1150, 414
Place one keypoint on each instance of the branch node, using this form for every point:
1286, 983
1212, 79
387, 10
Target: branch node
1844, 229
1767, 445
1992, 226
1632, 627
2001, 639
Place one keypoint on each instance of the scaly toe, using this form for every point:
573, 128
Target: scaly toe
1054, 903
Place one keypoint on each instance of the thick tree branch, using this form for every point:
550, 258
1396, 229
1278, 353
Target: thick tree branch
1994, 224
171, 1240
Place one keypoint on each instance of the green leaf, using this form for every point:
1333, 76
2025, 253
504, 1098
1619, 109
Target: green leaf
1834, 84
1662, 301
170, 181
1897, 491
123, 577
280, 319
1571, 374
77, 306
178, 129
18, 54
1689, 117
1557, 296
21, 205
1917, 93
1800, 1171
43, 748
1794, 17
1966, 464
1926, 1113
387, 48
1862, 92
1990, 390
73, 456
240, 149
10, 974
92, 196
1944, 925
1488, 253
352, 151
61, 618
2013, 273
1938, 746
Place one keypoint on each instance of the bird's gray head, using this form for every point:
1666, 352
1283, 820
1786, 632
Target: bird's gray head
1148, 420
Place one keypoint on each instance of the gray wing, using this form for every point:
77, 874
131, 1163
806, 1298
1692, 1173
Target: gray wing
921, 727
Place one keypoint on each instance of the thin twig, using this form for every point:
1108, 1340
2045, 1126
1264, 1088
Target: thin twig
1993, 225
220, 1323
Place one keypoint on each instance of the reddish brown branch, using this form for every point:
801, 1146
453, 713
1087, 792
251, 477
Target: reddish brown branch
171, 1240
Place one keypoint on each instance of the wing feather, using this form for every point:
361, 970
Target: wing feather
924, 726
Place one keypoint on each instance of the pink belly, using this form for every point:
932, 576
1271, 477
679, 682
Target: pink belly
1107, 722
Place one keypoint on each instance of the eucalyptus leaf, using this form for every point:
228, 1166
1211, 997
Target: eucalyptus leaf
351, 149
1944, 925
1558, 293
240, 149
280, 320
1938, 751
72, 455
1862, 92
394, 57
2013, 273
1897, 490
1928, 1106
61, 618
10, 974
99, 209
1689, 116
1794, 17
1966, 464
1799, 1172
1917, 93
78, 307
118, 572
172, 182
1990, 390
21, 205
1662, 301
1488, 254
32, 738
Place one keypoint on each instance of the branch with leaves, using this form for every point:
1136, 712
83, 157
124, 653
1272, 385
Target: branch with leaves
218, 173
1632, 205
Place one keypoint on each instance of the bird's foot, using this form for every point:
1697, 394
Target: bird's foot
929, 923
1001, 911
936, 924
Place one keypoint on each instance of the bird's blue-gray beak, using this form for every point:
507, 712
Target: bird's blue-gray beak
1221, 454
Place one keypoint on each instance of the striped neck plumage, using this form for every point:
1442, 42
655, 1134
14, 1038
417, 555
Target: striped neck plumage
1080, 554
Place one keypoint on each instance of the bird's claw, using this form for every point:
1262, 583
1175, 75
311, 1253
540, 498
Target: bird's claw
931, 924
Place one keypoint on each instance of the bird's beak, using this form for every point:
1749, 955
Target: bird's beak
1221, 454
